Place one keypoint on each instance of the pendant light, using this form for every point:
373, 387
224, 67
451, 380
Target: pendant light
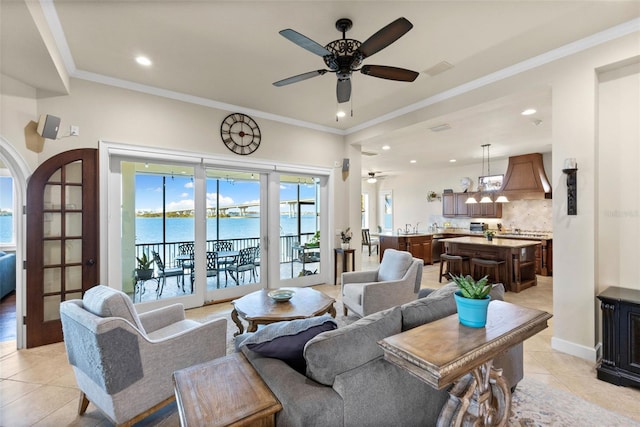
372, 178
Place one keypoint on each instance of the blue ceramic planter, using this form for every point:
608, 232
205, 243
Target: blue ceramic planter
472, 312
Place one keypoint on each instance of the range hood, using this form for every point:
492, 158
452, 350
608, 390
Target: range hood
525, 178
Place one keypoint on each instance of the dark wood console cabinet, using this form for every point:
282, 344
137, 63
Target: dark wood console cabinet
620, 362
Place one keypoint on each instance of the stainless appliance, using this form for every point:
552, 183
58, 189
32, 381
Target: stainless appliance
478, 227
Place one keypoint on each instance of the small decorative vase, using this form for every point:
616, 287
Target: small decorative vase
472, 312
344, 246
489, 238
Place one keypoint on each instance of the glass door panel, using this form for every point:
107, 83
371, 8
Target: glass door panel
299, 228
233, 206
157, 221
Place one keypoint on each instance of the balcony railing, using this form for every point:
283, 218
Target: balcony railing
169, 250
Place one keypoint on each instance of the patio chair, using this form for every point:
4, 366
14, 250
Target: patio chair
244, 262
186, 249
123, 361
368, 241
223, 263
164, 272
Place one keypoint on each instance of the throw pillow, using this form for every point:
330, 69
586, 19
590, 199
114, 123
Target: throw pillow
286, 340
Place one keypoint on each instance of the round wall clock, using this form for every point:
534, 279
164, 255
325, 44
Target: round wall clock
240, 133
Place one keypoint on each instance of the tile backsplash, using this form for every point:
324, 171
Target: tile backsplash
535, 215
530, 215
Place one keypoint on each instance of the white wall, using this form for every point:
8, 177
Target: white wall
618, 183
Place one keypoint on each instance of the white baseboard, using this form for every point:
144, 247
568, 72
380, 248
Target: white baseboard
581, 351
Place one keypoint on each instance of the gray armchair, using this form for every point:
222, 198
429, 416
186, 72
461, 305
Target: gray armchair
123, 362
395, 282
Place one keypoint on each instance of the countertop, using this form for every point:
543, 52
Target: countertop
506, 243
441, 233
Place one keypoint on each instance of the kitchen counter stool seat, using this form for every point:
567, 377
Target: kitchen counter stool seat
481, 266
455, 265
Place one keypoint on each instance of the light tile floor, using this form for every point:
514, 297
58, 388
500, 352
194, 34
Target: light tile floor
37, 386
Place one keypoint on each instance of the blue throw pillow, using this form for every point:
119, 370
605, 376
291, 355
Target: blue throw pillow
286, 340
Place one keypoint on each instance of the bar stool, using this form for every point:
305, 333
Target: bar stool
490, 266
455, 265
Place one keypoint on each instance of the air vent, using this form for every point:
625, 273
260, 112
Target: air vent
368, 153
440, 67
440, 128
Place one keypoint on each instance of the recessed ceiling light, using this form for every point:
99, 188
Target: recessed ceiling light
386, 147
412, 161
143, 60
341, 113
528, 112
452, 160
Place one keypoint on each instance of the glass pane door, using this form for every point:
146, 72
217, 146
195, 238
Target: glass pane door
300, 244
234, 211
157, 231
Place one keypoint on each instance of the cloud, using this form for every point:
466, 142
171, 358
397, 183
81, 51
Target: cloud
189, 184
180, 205
224, 200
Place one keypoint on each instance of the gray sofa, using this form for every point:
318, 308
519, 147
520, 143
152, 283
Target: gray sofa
7, 273
348, 382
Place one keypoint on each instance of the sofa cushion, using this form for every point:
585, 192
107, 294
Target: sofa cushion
438, 304
334, 352
286, 340
394, 265
104, 301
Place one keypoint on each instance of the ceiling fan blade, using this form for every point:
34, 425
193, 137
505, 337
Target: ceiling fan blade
385, 36
304, 42
343, 90
390, 73
299, 78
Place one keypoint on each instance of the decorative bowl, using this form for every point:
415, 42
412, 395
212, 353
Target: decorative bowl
281, 295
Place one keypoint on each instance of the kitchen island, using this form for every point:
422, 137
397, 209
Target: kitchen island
519, 257
419, 244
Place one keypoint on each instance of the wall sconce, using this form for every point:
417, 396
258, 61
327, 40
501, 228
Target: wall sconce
571, 169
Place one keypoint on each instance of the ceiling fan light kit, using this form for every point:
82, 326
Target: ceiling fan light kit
344, 56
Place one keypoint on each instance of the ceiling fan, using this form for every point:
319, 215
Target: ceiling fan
344, 56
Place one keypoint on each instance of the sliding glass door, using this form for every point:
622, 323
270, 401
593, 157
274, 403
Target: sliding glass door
186, 229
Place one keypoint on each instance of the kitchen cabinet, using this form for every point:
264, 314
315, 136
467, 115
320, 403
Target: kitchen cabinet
485, 210
419, 245
620, 364
453, 205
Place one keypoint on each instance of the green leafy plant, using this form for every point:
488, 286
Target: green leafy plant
489, 233
470, 288
144, 263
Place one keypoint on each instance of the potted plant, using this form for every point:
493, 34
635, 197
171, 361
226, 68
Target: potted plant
472, 300
345, 237
144, 270
315, 240
489, 234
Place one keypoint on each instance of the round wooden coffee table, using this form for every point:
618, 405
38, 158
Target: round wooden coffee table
257, 308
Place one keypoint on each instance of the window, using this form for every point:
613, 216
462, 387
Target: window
7, 219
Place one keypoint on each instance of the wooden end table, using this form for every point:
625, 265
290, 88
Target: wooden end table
225, 391
445, 352
257, 308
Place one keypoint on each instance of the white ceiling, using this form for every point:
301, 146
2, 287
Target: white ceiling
228, 54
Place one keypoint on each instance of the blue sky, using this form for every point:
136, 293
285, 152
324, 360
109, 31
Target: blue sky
6, 193
179, 192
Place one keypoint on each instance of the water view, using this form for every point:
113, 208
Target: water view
6, 228
149, 229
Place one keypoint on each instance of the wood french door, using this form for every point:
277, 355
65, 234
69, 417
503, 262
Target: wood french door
62, 239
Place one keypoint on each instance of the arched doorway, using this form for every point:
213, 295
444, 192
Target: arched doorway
20, 172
